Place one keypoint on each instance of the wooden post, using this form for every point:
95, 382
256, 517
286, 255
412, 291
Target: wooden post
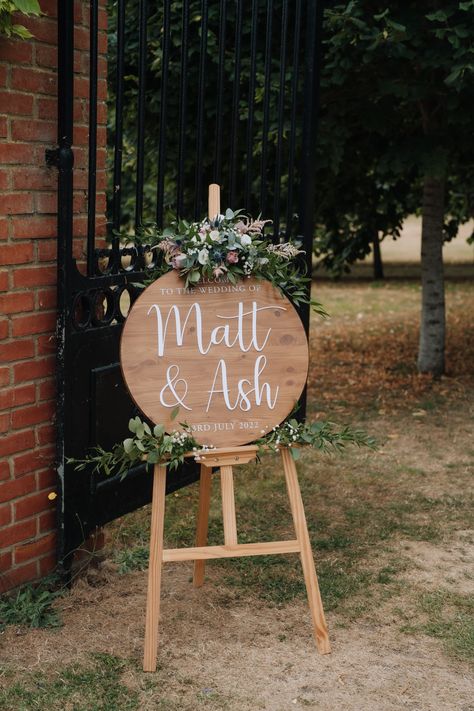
202, 522
228, 506
154, 569
214, 204
309, 570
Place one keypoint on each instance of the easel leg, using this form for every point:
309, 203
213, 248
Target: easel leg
309, 571
202, 522
154, 569
228, 506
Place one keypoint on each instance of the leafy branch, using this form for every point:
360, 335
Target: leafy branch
145, 445
8, 8
321, 435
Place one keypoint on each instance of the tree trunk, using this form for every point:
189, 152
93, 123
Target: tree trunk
432, 329
378, 264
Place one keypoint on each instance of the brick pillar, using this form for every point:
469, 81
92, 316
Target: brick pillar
28, 110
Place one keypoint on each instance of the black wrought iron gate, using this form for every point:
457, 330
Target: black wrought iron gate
200, 91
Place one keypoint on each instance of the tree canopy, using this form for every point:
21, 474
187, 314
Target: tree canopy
397, 93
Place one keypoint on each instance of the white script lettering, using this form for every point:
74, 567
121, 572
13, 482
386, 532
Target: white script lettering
220, 334
172, 382
242, 401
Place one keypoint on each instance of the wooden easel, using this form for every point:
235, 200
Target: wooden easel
225, 459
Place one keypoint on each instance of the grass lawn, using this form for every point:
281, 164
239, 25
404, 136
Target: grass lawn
392, 533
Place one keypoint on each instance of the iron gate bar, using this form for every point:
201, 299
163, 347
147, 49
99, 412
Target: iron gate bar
65, 159
183, 107
294, 95
198, 181
311, 95
217, 177
235, 105
160, 190
92, 177
251, 102
142, 52
266, 107
93, 403
281, 109
118, 142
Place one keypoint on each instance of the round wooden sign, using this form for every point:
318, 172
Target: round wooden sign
232, 357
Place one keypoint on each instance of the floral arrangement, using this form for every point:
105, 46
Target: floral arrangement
228, 248
153, 446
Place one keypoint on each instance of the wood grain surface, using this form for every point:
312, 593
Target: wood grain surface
233, 358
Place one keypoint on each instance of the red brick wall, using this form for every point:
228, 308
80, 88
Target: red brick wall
28, 106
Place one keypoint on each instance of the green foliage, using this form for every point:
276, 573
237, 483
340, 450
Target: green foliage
319, 435
229, 248
31, 607
146, 444
396, 95
132, 559
156, 445
8, 8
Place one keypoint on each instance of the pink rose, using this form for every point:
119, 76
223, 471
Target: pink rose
178, 260
232, 257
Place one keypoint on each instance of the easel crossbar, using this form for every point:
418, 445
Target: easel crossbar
230, 551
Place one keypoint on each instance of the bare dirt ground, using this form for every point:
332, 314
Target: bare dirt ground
393, 537
231, 657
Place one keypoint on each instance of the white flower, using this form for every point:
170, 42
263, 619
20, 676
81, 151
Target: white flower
214, 235
203, 256
245, 240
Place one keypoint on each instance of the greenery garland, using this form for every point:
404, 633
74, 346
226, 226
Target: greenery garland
145, 444
155, 445
8, 8
321, 435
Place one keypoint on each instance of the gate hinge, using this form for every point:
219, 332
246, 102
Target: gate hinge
60, 157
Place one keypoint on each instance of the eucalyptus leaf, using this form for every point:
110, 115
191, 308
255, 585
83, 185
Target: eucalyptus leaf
128, 445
